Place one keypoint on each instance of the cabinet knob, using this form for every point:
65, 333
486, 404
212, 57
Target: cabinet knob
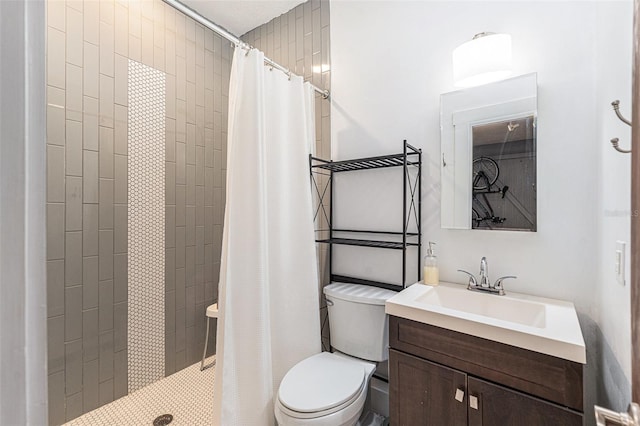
459, 395
473, 402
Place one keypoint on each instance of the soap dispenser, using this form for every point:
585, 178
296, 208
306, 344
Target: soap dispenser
430, 274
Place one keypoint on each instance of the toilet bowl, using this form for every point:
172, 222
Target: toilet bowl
327, 389
330, 389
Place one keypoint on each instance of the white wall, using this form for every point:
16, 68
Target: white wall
391, 60
613, 68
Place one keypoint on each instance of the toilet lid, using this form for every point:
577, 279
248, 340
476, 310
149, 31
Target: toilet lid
321, 382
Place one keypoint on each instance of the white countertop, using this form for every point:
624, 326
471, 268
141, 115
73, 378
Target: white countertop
556, 331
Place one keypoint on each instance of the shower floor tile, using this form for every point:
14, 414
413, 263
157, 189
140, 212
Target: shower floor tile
187, 395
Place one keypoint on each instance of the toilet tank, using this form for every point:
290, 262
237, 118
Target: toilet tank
357, 322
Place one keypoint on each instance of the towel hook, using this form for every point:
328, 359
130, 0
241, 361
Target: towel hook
616, 107
615, 141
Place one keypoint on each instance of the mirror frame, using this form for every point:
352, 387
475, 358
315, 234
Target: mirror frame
459, 112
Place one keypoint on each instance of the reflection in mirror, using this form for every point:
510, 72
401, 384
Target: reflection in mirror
504, 174
488, 158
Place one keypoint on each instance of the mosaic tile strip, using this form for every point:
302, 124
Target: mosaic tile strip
146, 198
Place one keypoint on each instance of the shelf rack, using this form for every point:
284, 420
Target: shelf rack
410, 158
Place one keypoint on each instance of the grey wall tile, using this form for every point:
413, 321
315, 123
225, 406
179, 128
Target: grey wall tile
90, 385
181, 331
73, 367
106, 152
120, 382
73, 209
55, 231
55, 116
91, 70
180, 247
106, 308
90, 335
180, 288
120, 228
55, 343
170, 183
120, 278
73, 147
90, 177
181, 205
74, 36
121, 80
106, 392
91, 17
73, 313
73, 258
106, 47
90, 282
90, 229
106, 254
121, 45
106, 356
170, 269
56, 68
106, 204
192, 350
73, 92
90, 123
120, 134
181, 170
74, 406
55, 173
120, 326
55, 386
190, 305
55, 288
120, 181
56, 15
170, 226
106, 101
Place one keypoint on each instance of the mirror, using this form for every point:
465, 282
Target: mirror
488, 164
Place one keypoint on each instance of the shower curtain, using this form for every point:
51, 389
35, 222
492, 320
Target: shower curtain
268, 292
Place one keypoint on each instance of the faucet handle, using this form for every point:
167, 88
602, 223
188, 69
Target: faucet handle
498, 285
472, 278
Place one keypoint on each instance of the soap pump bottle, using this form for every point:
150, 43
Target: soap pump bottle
430, 267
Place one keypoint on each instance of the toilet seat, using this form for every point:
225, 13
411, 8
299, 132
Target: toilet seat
322, 384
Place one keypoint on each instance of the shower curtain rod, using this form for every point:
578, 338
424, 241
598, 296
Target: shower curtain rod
233, 39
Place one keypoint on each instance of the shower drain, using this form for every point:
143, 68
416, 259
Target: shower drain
163, 420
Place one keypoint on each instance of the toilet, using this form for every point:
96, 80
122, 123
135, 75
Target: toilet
330, 388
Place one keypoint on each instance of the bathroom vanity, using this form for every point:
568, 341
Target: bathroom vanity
459, 363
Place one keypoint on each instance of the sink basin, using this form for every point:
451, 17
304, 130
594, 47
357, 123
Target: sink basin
528, 313
538, 324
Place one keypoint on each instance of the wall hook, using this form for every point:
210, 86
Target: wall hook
615, 141
616, 107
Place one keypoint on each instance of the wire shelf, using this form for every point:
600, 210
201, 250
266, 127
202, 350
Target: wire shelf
366, 243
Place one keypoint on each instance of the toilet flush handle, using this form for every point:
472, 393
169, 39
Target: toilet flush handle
329, 302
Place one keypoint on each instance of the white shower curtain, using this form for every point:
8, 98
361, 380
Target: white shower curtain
268, 293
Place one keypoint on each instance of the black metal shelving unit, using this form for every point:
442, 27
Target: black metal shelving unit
410, 159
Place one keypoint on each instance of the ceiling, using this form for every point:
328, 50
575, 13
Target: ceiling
241, 16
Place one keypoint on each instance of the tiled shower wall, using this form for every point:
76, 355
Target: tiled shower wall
89, 45
299, 40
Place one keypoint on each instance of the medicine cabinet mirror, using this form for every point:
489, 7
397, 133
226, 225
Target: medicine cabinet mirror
488, 156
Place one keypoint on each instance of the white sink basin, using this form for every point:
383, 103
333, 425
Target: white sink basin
522, 312
543, 325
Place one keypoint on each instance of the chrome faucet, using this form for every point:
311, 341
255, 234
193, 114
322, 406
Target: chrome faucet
485, 283
484, 273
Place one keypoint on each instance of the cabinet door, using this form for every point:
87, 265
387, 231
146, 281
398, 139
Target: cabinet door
424, 393
497, 405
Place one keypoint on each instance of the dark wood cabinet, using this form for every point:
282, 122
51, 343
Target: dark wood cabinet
497, 405
428, 392
441, 377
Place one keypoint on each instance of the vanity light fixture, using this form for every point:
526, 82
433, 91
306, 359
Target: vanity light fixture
484, 59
